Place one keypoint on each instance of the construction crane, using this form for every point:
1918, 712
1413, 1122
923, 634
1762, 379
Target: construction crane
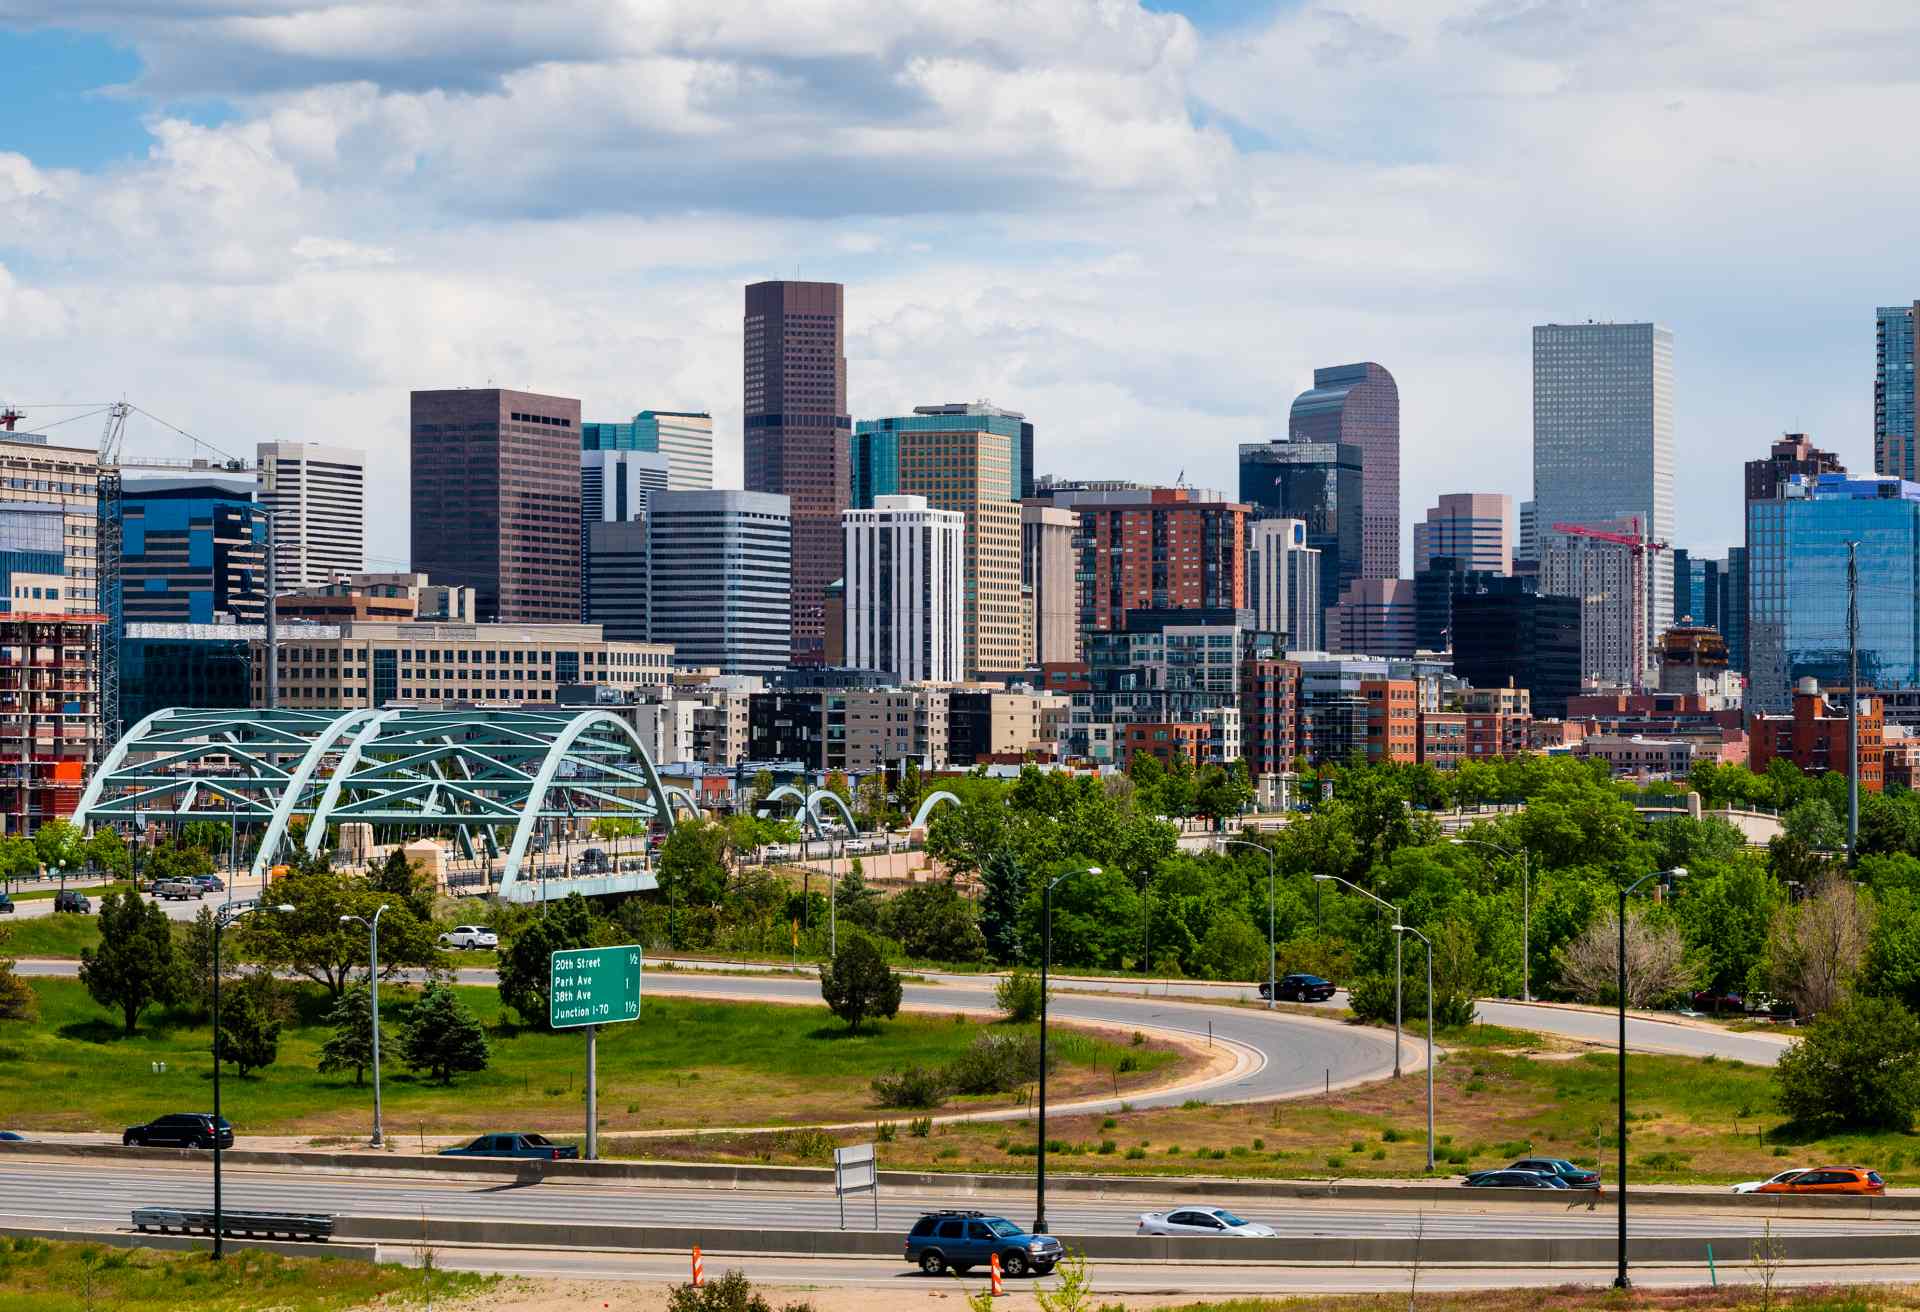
107, 555
9, 417
1639, 612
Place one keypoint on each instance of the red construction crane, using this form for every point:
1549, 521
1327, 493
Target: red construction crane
9, 417
1638, 544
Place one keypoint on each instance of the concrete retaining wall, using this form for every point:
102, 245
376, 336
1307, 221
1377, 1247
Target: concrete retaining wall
188, 1243
1331, 1251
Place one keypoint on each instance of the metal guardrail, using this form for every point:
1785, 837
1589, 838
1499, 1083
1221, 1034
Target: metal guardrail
265, 1225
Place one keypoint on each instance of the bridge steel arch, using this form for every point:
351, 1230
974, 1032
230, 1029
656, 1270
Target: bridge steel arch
408, 768
928, 803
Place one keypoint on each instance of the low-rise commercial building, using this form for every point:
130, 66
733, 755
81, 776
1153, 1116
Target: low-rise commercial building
1815, 736
1647, 758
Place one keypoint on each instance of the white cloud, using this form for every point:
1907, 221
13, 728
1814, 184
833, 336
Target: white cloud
1039, 201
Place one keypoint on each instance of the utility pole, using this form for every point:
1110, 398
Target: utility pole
1853, 700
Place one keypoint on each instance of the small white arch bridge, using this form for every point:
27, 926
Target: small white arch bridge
482, 775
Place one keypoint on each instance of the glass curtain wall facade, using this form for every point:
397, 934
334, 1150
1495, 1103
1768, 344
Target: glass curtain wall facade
1893, 360
1797, 555
720, 578
1359, 404
1321, 484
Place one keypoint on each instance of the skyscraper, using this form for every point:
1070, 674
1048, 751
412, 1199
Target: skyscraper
1617, 626
718, 578
496, 500
1894, 346
615, 582
1318, 483
906, 589
1603, 434
1046, 569
194, 551
1283, 583
794, 408
318, 496
1475, 528
615, 486
1165, 549
1793, 454
1359, 404
875, 449
683, 438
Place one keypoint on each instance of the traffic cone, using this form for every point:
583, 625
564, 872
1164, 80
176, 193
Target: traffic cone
994, 1267
699, 1269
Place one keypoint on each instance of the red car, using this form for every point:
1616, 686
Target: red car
1829, 1180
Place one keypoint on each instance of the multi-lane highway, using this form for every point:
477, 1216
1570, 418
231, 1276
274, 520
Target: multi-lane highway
95, 1194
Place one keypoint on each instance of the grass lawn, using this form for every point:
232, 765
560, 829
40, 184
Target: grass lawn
1500, 1094
37, 1276
1868, 1298
685, 1063
49, 936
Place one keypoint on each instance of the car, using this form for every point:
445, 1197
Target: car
1829, 1180
944, 1241
209, 883
68, 899
536, 1146
1205, 1222
538, 843
470, 936
13, 1136
593, 861
1755, 1186
1709, 1001
1577, 1177
6, 905
855, 845
178, 1130
1514, 1180
1299, 988
175, 890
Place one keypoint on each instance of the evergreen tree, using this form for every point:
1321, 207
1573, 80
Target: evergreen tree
250, 1024
17, 1000
350, 1046
195, 955
858, 983
441, 1038
1003, 893
134, 966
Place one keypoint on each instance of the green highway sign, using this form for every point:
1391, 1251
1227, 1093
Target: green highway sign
594, 986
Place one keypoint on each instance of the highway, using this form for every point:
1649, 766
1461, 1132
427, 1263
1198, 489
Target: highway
102, 1194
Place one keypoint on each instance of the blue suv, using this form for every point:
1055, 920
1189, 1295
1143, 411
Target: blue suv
958, 1240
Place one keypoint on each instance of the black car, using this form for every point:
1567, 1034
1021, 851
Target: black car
6, 905
68, 899
178, 1130
943, 1241
1577, 1177
1514, 1180
1299, 988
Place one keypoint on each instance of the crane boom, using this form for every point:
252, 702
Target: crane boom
109, 546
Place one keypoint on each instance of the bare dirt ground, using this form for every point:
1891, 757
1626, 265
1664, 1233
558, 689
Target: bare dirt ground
518, 1295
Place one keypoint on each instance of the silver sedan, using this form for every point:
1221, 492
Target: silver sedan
1214, 1222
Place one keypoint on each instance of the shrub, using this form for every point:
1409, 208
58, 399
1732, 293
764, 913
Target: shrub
1018, 996
995, 1063
732, 1292
916, 1086
920, 1126
1136, 1154
1391, 1135
1858, 1066
886, 1131
809, 1144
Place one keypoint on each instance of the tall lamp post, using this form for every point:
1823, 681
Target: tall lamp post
1620, 1280
1408, 929
1046, 961
1526, 907
221, 919
373, 984
1398, 974
1273, 990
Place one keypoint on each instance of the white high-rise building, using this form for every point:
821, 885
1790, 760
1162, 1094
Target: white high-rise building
906, 589
318, 496
615, 487
1474, 528
1603, 435
720, 578
1283, 582
1616, 634
686, 440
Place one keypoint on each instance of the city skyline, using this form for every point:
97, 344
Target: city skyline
314, 296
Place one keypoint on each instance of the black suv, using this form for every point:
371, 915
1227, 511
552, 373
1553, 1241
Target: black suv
1300, 988
958, 1240
68, 899
178, 1130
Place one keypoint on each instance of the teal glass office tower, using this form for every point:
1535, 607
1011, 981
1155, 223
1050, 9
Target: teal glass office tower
876, 445
1893, 360
1797, 564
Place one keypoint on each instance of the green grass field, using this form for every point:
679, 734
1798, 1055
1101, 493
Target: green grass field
685, 1063
37, 1276
1573, 1298
49, 936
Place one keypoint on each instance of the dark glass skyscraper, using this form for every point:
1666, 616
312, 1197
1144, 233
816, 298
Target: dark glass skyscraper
1321, 483
1893, 360
1359, 404
496, 500
797, 429
1504, 633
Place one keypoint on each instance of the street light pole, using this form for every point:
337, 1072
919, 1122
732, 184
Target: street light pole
1273, 990
1526, 908
1398, 974
221, 919
1046, 961
373, 985
1408, 929
1620, 1280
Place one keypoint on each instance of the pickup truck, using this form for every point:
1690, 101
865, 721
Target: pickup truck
177, 890
536, 1146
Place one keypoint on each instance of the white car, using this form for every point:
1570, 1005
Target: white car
470, 936
1754, 1186
1216, 1222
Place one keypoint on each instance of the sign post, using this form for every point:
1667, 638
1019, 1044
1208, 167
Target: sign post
591, 987
855, 1170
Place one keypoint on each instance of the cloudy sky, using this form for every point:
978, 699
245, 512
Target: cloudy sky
1141, 223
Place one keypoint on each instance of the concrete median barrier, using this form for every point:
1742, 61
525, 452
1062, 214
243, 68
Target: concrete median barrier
364, 1252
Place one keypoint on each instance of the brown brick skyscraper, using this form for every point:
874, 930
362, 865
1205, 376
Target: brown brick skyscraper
798, 433
496, 499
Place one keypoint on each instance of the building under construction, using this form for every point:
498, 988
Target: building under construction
50, 731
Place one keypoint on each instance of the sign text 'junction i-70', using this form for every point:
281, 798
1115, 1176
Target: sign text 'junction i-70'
594, 986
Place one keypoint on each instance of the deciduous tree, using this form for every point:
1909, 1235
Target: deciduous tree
526, 959
250, 1017
1858, 1066
134, 966
1816, 948
1657, 964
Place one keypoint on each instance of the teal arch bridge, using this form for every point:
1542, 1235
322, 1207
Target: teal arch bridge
487, 778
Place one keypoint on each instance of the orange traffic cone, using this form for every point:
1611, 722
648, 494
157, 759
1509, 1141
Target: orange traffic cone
994, 1267
699, 1270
